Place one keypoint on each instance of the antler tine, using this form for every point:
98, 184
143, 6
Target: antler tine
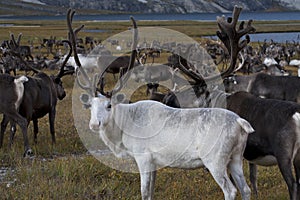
235, 15
12, 36
19, 39
77, 30
15, 43
12, 44
72, 37
245, 31
134, 46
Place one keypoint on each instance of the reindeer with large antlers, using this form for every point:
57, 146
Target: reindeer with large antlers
197, 94
23, 50
41, 93
276, 123
180, 138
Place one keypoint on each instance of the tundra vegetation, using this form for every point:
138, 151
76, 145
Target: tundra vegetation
67, 171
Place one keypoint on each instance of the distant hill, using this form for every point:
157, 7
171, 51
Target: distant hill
57, 7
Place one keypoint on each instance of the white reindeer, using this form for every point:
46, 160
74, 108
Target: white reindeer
156, 135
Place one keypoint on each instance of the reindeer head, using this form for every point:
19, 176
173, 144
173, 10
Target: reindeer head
60, 91
57, 79
100, 103
101, 109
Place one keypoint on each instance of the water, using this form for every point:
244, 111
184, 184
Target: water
270, 16
276, 37
95, 31
162, 17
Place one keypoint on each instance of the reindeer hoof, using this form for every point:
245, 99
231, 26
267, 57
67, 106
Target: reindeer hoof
28, 153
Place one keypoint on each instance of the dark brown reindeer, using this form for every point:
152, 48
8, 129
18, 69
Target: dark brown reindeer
276, 137
41, 93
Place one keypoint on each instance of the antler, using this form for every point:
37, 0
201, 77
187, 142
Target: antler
126, 75
231, 40
62, 72
89, 86
192, 74
130, 66
13, 46
231, 37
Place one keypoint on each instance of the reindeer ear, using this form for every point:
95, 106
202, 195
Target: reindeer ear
118, 98
85, 100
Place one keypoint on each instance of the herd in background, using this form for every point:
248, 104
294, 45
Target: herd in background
267, 56
268, 96
270, 57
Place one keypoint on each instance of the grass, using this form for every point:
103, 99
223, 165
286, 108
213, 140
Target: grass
67, 171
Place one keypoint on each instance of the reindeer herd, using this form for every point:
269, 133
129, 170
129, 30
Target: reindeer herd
193, 124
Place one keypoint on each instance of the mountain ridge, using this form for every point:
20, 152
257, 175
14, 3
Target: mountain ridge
57, 7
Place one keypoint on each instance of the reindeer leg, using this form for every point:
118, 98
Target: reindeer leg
253, 177
148, 174
297, 172
35, 129
4, 123
51, 121
236, 169
22, 122
152, 182
285, 167
219, 173
13, 130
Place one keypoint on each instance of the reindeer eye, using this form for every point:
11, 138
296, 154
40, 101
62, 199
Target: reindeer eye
108, 107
